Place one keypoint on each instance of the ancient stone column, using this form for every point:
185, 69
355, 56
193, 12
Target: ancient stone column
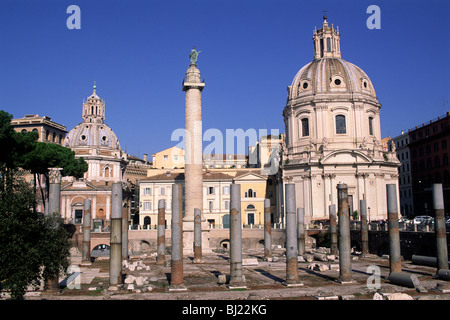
291, 237
345, 265
333, 229
161, 233
364, 230
54, 190
176, 275
267, 231
86, 246
439, 227
395, 262
115, 258
125, 234
197, 236
236, 279
54, 206
301, 236
193, 86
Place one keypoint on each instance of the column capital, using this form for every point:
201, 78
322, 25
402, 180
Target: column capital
54, 175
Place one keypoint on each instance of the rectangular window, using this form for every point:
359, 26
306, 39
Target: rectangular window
371, 126
436, 147
429, 166
175, 157
148, 191
328, 44
211, 205
78, 216
305, 127
444, 144
210, 190
147, 205
227, 205
226, 190
162, 191
437, 163
166, 158
340, 124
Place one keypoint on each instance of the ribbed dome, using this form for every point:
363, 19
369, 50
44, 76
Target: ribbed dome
330, 75
92, 135
93, 131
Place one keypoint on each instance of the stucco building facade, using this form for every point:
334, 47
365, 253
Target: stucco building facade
216, 196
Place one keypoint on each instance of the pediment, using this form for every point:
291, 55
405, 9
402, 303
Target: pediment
346, 156
78, 185
250, 176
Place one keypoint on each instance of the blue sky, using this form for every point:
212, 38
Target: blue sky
137, 51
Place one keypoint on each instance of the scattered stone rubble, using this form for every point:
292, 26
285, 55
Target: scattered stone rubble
136, 265
137, 283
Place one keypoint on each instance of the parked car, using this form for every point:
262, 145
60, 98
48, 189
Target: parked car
422, 219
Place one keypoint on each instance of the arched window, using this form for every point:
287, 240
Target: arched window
371, 126
305, 127
340, 125
250, 193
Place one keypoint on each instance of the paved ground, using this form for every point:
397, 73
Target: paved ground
263, 280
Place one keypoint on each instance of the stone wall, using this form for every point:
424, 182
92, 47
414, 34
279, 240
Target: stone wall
145, 240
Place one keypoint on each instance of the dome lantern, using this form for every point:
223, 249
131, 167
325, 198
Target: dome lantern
326, 41
94, 108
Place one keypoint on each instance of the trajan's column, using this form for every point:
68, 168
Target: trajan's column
193, 86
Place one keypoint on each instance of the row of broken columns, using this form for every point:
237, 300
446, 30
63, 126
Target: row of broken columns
340, 236
295, 237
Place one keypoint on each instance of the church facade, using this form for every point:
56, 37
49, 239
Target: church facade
96, 142
333, 135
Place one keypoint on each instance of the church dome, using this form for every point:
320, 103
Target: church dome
328, 73
93, 131
92, 135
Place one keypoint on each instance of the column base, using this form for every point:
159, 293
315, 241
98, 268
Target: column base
177, 288
343, 281
293, 285
237, 286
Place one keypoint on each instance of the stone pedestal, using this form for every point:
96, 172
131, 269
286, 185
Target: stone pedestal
188, 237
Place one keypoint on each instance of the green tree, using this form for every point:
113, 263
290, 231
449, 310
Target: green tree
33, 247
